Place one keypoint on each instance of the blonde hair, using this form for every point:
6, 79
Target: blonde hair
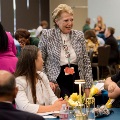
101, 22
60, 9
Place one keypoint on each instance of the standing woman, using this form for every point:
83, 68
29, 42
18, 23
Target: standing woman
8, 59
64, 53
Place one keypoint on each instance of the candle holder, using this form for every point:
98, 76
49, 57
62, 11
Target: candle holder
80, 112
90, 105
80, 82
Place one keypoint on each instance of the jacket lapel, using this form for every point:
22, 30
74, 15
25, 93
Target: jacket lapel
75, 41
57, 43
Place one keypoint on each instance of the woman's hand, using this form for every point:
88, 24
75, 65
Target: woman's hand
53, 86
58, 104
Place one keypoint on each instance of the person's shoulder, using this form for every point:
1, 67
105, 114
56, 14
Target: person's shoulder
43, 76
9, 35
47, 31
21, 80
78, 34
47, 34
30, 116
34, 41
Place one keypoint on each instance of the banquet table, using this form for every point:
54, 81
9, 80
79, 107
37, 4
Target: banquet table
115, 115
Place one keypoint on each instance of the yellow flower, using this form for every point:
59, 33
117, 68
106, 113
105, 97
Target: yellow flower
94, 90
74, 97
72, 103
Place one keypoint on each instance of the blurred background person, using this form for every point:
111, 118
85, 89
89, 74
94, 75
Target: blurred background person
64, 53
34, 92
100, 27
111, 40
43, 25
100, 40
23, 37
112, 85
87, 25
8, 59
8, 91
92, 42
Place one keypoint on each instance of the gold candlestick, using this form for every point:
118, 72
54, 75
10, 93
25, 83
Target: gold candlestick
80, 82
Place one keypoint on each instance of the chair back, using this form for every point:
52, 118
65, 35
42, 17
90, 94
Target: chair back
103, 55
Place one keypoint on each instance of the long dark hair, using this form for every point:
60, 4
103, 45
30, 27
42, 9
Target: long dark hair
26, 67
3, 39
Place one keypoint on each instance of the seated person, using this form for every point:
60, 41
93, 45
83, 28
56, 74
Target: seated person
8, 91
111, 40
87, 25
100, 27
8, 59
35, 94
91, 41
43, 25
23, 37
112, 84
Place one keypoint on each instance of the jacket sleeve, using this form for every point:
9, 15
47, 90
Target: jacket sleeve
87, 64
43, 47
21, 100
52, 96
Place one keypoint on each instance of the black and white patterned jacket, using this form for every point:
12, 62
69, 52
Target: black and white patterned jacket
50, 46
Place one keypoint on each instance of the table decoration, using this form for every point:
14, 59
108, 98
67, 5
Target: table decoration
90, 106
82, 108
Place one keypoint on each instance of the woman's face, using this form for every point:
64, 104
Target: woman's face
65, 22
39, 61
99, 19
23, 41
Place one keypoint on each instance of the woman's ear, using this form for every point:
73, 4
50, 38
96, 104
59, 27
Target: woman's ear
56, 21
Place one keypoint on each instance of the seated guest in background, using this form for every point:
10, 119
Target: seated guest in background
92, 44
87, 25
112, 84
100, 40
110, 40
23, 37
35, 94
43, 25
100, 27
8, 59
8, 91
91, 41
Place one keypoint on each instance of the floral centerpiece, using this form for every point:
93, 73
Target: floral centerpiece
93, 91
75, 99
77, 102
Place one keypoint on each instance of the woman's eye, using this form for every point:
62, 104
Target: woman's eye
66, 20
